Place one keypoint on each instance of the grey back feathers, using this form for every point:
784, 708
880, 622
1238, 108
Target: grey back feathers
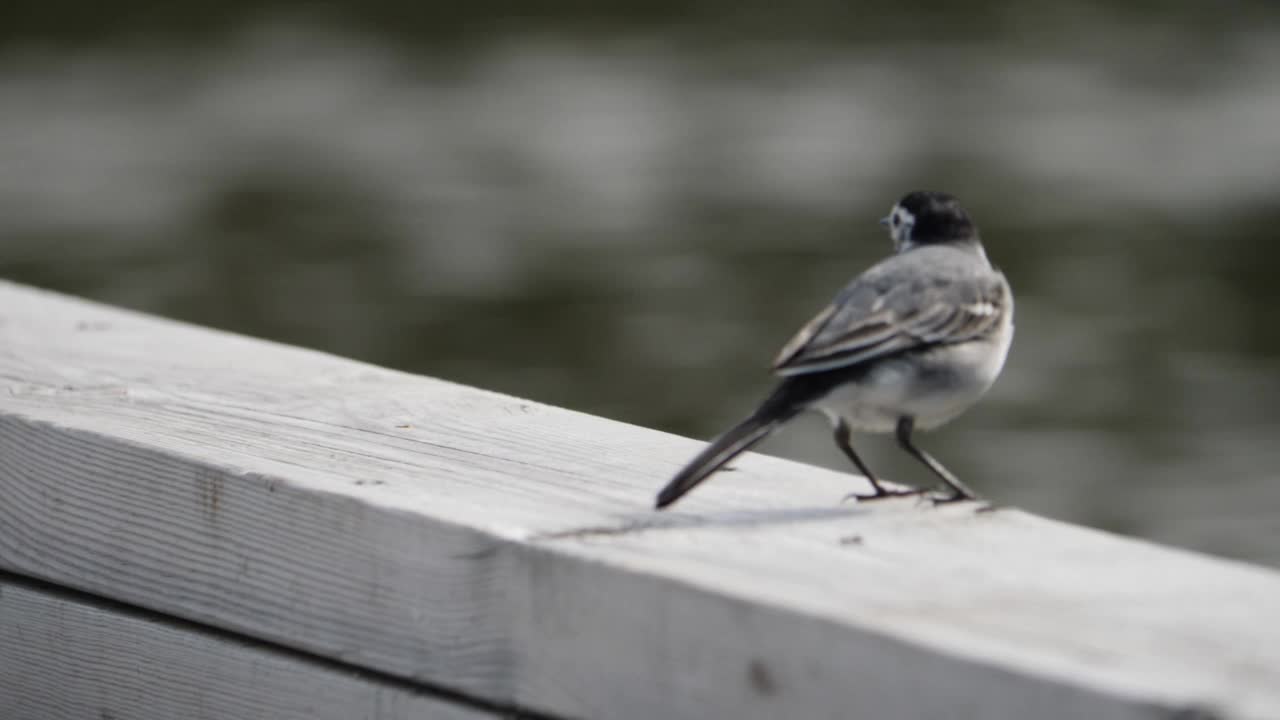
896, 306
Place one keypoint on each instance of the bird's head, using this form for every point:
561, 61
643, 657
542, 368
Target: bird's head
929, 218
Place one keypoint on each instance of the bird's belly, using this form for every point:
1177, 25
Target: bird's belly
932, 386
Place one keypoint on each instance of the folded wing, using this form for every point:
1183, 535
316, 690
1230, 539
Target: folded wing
887, 311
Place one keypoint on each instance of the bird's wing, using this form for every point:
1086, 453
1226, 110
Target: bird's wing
886, 311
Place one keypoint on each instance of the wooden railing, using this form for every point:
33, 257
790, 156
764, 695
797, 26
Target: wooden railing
195, 524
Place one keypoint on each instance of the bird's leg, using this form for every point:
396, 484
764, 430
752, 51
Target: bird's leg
844, 437
959, 490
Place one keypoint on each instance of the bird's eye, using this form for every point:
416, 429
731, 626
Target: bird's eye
896, 220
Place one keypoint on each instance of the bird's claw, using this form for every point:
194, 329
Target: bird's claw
938, 498
882, 494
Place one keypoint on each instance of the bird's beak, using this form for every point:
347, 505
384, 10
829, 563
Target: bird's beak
884, 221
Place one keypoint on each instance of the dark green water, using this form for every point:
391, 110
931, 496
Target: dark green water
628, 214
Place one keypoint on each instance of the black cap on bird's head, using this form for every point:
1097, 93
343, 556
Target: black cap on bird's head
925, 218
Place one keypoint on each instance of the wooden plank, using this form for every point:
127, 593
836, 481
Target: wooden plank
506, 549
68, 658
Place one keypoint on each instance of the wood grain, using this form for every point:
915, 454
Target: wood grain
506, 549
65, 658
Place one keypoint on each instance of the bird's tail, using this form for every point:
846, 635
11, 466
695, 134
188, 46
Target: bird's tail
729, 445
787, 400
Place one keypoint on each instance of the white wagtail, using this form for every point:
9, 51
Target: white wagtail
910, 343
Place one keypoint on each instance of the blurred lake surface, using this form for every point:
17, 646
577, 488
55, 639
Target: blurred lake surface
630, 224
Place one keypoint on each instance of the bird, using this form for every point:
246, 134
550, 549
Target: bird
908, 345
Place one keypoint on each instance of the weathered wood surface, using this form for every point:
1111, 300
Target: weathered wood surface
505, 549
66, 658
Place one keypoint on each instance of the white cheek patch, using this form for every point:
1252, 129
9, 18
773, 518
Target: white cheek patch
900, 231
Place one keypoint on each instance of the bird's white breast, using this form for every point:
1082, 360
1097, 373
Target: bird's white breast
932, 386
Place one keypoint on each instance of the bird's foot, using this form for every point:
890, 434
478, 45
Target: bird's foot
947, 498
881, 493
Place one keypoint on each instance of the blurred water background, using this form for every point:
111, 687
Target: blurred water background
627, 209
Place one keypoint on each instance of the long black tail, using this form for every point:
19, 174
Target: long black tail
791, 397
732, 443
